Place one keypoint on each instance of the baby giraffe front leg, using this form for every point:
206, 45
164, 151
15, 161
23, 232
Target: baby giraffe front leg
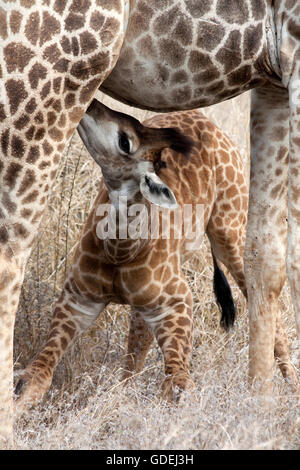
173, 329
140, 338
72, 315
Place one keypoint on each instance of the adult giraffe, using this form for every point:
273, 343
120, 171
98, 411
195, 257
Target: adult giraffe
177, 54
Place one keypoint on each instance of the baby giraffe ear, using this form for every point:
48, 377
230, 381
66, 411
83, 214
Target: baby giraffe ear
157, 192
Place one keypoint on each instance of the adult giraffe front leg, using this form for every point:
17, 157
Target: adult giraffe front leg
293, 246
267, 230
53, 57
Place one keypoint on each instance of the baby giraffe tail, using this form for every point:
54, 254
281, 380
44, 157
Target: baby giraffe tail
224, 297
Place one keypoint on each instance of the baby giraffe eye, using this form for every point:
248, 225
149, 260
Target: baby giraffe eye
124, 143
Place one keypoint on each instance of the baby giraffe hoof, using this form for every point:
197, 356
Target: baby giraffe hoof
174, 385
31, 387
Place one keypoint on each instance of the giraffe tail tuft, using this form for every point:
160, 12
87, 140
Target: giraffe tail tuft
224, 297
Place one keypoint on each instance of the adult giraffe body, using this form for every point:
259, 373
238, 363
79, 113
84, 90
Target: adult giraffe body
183, 54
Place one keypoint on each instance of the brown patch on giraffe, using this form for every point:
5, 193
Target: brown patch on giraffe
75, 46
109, 31
28, 180
181, 95
12, 174
15, 21
20, 231
21, 122
207, 76
252, 40
70, 100
3, 235
62, 120
38, 72
145, 47
52, 54
46, 89
233, 11
230, 55
49, 28
80, 70
47, 148
198, 9
171, 53
88, 91
30, 133
8, 203
33, 154
56, 105
39, 118
51, 118
258, 9
26, 213
183, 30
60, 5
61, 65
209, 34
180, 77
16, 93
240, 76
40, 133
32, 28
216, 87
70, 85
98, 63
31, 197
3, 24
281, 154
73, 22
164, 22
97, 20
27, 3
56, 134
17, 147
30, 106
66, 45
2, 113
79, 5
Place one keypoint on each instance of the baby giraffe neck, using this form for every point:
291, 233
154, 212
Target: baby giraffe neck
130, 216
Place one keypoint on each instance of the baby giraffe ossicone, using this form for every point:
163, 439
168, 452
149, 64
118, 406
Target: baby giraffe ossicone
172, 161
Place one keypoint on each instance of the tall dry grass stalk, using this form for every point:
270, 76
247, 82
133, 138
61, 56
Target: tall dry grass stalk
87, 407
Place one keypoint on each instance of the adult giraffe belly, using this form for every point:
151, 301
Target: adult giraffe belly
184, 55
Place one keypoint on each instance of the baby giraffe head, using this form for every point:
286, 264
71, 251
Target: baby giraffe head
127, 152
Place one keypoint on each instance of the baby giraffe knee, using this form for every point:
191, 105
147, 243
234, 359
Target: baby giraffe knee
33, 383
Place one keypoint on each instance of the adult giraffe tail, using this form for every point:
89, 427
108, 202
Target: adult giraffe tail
223, 296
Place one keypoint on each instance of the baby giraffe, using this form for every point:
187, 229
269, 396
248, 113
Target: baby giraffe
131, 254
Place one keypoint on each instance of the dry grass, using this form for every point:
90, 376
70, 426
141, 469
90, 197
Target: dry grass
88, 408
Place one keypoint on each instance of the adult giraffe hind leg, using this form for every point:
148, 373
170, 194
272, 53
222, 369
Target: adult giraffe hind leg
264, 256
